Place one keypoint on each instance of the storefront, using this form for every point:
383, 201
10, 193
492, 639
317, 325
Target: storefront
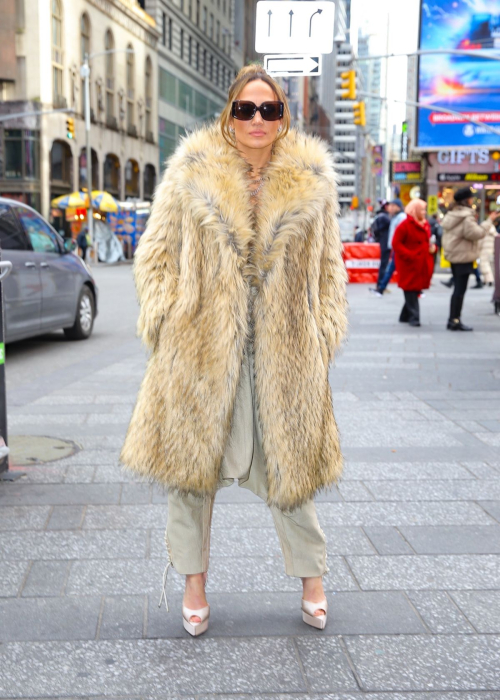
449, 170
407, 179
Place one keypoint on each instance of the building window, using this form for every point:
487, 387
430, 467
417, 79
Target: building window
182, 5
82, 170
197, 56
211, 73
132, 179
21, 154
169, 134
149, 98
223, 41
61, 164
84, 49
112, 175
182, 43
57, 55
204, 19
217, 69
170, 27
190, 50
224, 6
211, 26
149, 181
131, 130
217, 36
190, 9
204, 61
197, 13
109, 45
163, 29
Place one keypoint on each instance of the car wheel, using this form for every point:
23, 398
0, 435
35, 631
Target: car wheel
84, 321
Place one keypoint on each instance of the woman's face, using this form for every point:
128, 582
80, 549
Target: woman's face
256, 133
421, 211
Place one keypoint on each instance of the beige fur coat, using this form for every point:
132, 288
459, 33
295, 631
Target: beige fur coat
193, 274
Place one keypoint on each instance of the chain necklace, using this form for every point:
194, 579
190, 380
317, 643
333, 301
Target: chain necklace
256, 191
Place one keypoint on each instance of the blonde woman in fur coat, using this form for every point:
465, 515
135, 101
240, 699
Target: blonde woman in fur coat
241, 287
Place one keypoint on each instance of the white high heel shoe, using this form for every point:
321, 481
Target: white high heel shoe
308, 610
196, 628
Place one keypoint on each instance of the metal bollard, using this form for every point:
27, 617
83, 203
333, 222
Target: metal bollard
5, 268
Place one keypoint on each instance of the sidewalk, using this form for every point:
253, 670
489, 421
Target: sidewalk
413, 534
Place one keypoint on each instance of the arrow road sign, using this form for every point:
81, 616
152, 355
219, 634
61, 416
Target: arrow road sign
300, 26
293, 64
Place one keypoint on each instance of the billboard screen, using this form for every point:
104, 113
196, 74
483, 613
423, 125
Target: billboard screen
465, 84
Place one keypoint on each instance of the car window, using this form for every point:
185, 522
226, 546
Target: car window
43, 239
11, 234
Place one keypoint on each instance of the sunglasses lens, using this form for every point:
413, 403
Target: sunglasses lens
271, 111
243, 110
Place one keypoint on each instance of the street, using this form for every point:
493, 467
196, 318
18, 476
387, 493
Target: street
413, 529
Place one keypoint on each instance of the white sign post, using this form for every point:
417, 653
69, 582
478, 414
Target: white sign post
294, 27
293, 64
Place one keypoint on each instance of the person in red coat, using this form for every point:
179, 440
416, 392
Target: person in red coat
413, 252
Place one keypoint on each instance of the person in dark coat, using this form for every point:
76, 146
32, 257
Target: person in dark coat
380, 230
414, 258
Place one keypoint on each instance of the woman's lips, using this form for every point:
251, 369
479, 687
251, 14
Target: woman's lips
257, 133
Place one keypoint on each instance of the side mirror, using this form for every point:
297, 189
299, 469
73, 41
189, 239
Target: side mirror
69, 245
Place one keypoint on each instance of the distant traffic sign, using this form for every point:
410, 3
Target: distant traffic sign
293, 64
294, 27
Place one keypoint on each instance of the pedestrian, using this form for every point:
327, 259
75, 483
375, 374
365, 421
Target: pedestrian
461, 242
397, 214
241, 285
414, 258
488, 247
380, 229
82, 242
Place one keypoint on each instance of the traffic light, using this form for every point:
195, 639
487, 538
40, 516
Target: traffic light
355, 202
348, 84
359, 114
70, 128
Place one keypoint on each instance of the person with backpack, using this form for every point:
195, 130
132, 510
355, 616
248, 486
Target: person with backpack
380, 229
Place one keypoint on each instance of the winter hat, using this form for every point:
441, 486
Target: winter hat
463, 193
398, 203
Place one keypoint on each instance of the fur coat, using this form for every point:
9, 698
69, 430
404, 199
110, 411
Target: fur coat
193, 269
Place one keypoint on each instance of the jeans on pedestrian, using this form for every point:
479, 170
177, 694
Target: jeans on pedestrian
385, 254
388, 274
461, 272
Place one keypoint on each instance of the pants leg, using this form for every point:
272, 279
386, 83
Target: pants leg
487, 271
412, 306
461, 272
385, 254
388, 274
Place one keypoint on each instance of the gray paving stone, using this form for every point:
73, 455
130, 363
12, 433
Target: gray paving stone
58, 494
36, 619
325, 664
150, 667
52, 473
66, 518
387, 514
126, 517
482, 470
449, 490
371, 471
454, 539
279, 614
79, 474
354, 491
439, 612
122, 617
115, 474
23, 517
493, 508
441, 695
12, 575
236, 575
482, 609
80, 544
46, 578
136, 493
411, 663
460, 572
387, 540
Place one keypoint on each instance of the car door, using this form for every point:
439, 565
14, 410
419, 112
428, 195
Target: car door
22, 288
59, 283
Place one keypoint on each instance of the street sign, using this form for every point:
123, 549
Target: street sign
294, 27
293, 64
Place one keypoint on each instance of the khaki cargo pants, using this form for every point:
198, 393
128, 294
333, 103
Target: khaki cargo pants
187, 536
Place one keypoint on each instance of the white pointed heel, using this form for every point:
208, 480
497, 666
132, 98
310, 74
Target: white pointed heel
195, 628
308, 610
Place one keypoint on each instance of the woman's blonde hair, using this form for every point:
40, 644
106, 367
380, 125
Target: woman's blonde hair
245, 76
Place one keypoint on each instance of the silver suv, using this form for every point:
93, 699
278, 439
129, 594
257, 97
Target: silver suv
49, 287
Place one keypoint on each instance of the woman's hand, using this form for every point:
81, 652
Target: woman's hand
432, 248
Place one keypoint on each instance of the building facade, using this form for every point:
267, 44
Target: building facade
37, 159
195, 63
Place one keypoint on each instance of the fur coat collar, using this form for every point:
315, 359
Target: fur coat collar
203, 248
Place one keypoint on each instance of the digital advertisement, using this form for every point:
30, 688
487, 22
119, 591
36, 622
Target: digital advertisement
465, 84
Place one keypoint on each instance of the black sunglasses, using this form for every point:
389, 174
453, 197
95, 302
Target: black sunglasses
269, 111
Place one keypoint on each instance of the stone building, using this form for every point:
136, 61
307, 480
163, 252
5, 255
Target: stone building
40, 71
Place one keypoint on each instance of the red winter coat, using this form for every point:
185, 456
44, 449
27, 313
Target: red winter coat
414, 263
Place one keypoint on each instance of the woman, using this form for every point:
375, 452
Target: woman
242, 292
461, 242
414, 259
488, 247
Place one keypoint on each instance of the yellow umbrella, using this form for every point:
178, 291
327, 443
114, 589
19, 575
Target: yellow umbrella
104, 201
76, 200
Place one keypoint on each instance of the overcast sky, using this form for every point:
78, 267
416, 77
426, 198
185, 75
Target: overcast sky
401, 17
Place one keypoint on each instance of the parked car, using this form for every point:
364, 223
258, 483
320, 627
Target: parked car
49, 286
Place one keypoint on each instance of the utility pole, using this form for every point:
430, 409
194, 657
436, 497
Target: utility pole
5, 268
85, 74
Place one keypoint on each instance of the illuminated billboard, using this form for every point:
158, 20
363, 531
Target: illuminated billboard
464, 84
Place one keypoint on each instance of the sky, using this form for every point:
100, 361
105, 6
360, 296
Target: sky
401, 17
